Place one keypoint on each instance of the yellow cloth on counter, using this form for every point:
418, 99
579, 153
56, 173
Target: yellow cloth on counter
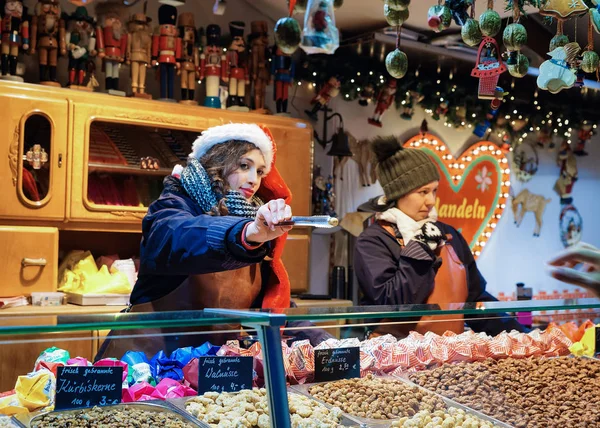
10, 405
85, 278
587, 345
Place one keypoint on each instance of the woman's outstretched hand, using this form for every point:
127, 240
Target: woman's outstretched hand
265, 226
584, 256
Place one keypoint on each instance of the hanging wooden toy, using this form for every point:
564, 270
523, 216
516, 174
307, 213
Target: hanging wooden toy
562, 10
525, 202
488, 69
470, 31
514, 38
559, 72
384, 101
585, 134
569, 173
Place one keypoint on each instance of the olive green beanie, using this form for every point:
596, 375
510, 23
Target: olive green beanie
400, 170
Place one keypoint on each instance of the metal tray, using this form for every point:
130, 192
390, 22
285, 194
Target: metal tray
367, 422
27, 421
179, 404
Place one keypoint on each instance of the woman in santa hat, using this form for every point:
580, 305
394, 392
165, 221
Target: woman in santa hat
213, 238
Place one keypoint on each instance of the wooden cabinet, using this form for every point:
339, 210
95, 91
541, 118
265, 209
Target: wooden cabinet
79, 142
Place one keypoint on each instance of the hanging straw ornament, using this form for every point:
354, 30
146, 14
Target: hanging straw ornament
590, 60
470, 32
490, 21
396, 62
288, 32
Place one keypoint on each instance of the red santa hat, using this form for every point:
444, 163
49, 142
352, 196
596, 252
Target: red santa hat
277, 292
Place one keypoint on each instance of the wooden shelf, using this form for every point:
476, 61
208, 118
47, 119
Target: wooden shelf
127, 169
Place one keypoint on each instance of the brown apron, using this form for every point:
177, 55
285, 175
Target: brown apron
234, 289
450, 287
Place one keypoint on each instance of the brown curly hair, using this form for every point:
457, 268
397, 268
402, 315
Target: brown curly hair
219, 162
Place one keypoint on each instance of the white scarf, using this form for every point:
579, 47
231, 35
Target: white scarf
406, 225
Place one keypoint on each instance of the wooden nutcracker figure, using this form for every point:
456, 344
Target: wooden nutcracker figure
236, 68
48, 36
211, 68
283, 70
139, 52
112, 42
329, 90
15, 35
190, 59
584, 135
81, 45
166, 49
259, 45
384, 101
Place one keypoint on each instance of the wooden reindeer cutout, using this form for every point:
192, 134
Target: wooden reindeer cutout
526, 201
362, 155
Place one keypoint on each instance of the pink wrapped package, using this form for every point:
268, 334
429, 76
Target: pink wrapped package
170, 388
141, 391
111, 362
79, 361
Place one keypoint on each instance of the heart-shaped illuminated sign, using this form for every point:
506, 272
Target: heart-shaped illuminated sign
473, 187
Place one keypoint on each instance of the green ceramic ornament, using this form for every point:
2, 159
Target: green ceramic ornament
490, 23
398, 4
558, 41
470, 32
287, 35
396, 63
520, 68
395, 17
439, 17
590, 62
514, 37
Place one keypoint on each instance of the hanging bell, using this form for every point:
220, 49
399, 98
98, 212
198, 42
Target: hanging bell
340, 146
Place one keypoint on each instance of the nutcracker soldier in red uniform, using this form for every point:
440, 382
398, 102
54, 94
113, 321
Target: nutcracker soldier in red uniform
15, 34
585, 133
48, 36
112, 41
190, 59
211, 66
236, 68
166, 49
283, 70
329, 90
384, 101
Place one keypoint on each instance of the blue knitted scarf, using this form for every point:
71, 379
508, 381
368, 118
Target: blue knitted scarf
197, 184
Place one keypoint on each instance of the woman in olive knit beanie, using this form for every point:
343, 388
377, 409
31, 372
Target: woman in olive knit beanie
408, 257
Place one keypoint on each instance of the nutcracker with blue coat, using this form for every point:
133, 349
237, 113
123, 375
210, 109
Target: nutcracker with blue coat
283, 70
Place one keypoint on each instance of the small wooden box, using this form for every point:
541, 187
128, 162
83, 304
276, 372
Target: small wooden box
28, 259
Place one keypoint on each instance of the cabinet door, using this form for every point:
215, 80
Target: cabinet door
34, 137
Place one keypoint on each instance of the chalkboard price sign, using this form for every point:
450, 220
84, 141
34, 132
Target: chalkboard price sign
80, 386
336, 364
224, 374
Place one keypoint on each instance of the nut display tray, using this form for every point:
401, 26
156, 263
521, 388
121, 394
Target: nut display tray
347, 420
30, 420
377, 423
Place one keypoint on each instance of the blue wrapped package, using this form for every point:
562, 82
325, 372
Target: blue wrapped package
163, 367
206, 349
139, 368
134, 357
183, 355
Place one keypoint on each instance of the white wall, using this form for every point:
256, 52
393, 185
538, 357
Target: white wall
512, 254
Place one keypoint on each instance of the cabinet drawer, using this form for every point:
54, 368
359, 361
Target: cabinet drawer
28, 259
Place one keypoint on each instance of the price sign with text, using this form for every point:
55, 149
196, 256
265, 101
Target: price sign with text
88, 386
224, 374
336, 364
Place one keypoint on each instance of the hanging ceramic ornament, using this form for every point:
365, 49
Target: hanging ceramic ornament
514, 38
396, 62
398, 4
490, 21
320, 34
470, 31
571, 225
439, 17
395, 17
488, 69
559, 39
560, 72
563, 9
287, 32
590, 59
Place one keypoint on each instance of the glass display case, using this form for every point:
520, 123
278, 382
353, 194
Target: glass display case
544, 376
